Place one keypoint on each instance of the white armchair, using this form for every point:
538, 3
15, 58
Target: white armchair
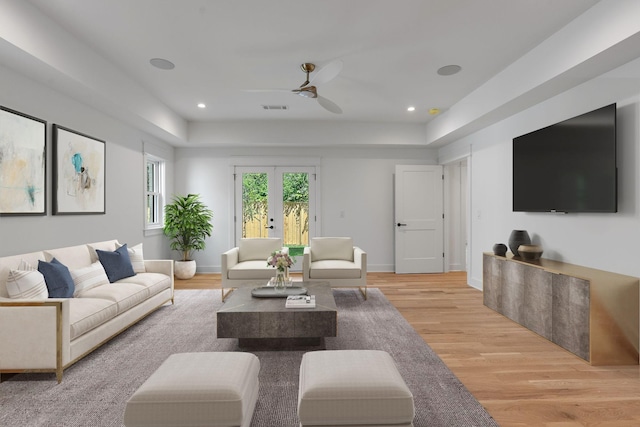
337, 261
247, 262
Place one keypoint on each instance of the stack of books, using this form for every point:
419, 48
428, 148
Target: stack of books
301, 301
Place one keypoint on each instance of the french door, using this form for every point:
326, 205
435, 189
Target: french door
276, 202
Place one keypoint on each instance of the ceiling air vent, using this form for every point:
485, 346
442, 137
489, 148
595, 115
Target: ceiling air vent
275, 107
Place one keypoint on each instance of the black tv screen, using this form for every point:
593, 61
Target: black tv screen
569, 166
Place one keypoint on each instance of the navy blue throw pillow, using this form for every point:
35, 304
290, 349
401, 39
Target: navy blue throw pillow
116, 264
58, 279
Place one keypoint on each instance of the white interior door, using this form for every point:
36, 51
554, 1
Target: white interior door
419, 222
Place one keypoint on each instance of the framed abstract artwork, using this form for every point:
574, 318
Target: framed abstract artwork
23, 164
79, 173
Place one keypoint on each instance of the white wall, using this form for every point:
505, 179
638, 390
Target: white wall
358, 181
602, 241
124, 177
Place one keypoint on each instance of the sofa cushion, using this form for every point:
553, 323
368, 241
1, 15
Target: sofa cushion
251, 270
89, 277
252, 249
334, 269
27, 284
107, 245
86, 314
57, 277
331, 248
124, 295
117, 264
154, 282
136, 256
73, 256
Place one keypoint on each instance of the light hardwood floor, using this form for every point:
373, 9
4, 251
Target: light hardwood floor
519, 377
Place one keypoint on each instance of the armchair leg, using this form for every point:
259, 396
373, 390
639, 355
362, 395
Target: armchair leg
226, 294
363, 292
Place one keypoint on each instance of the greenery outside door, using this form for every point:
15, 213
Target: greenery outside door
276, 202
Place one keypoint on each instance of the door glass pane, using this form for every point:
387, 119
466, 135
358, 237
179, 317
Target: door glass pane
295, 205
255, 205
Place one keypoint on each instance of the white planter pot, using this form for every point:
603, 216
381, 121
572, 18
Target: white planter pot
184, 269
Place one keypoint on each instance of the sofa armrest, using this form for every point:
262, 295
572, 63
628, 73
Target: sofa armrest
229, 259
45, 346
163, 266
306, 264
360, 259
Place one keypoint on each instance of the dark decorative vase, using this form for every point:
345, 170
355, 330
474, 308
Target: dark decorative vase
517, 238
500, 249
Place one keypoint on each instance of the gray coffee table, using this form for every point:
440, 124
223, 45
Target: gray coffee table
266, 323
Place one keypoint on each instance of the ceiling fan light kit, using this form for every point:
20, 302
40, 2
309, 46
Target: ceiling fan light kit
307, 92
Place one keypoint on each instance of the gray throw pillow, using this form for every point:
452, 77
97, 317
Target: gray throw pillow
57, 278
117, 264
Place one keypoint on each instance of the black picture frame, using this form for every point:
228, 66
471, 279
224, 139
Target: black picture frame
79, 173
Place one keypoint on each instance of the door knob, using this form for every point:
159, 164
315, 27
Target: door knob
271, 227
401, 224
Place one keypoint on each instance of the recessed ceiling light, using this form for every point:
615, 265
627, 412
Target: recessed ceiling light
411, 109
163, 64
449, 70
202, 105
434, 111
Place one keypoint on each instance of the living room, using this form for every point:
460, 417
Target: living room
544, 86
354, 158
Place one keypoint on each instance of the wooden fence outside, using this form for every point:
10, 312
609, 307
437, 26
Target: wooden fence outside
296, 229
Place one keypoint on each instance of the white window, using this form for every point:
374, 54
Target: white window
154, 192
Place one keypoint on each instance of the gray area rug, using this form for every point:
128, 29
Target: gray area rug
95, 390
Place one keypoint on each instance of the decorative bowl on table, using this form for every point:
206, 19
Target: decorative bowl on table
530, 252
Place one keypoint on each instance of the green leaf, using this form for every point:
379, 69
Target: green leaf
187, 222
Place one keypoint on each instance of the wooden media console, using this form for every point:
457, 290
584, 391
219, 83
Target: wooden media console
591, 313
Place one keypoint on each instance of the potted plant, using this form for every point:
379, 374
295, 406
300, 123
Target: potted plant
187, 222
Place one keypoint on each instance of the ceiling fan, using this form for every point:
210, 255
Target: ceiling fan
308, 88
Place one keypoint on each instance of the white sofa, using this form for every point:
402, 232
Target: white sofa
337, 261
41, 334
247, 263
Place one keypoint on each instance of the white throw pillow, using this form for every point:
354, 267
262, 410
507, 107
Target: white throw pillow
88, 277
331, 248
27, 284
136, 256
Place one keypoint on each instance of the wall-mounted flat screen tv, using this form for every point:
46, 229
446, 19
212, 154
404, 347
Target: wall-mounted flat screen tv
569, 166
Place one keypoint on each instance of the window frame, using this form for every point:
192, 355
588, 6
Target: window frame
157, 192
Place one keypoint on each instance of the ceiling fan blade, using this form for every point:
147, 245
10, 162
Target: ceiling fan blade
328, 72
266, 90
329, 105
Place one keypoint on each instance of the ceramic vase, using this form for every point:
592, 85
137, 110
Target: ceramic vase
530, 252
500, 249
517, 238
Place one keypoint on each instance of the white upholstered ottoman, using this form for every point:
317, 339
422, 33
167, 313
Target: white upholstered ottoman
197, 389
353, 387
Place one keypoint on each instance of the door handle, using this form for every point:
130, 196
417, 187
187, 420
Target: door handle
271, 227
401, 224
